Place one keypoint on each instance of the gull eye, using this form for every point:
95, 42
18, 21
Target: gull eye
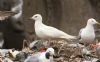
35, 16
92, 21
49, 51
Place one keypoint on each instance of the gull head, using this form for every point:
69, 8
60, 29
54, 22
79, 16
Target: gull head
92, 21
36, 17
51, 51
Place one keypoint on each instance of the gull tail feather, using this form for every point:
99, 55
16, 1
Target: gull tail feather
69, 37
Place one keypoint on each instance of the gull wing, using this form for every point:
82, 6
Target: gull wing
79, 36
55, 33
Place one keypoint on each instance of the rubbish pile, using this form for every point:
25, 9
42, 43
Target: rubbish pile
63, 52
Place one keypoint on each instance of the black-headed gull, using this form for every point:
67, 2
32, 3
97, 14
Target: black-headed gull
46, 56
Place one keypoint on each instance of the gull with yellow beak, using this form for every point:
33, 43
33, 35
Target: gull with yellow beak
48, 32
87, 34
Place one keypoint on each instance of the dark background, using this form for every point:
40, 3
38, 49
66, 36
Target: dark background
67, 15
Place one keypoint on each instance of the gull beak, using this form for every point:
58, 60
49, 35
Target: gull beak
98, 23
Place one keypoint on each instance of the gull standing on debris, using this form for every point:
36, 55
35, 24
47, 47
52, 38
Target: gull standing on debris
46, 56
47, 32
87, 34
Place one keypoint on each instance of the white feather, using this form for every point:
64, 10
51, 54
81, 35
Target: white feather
32, 44
46, 32
87, 34
41, 57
